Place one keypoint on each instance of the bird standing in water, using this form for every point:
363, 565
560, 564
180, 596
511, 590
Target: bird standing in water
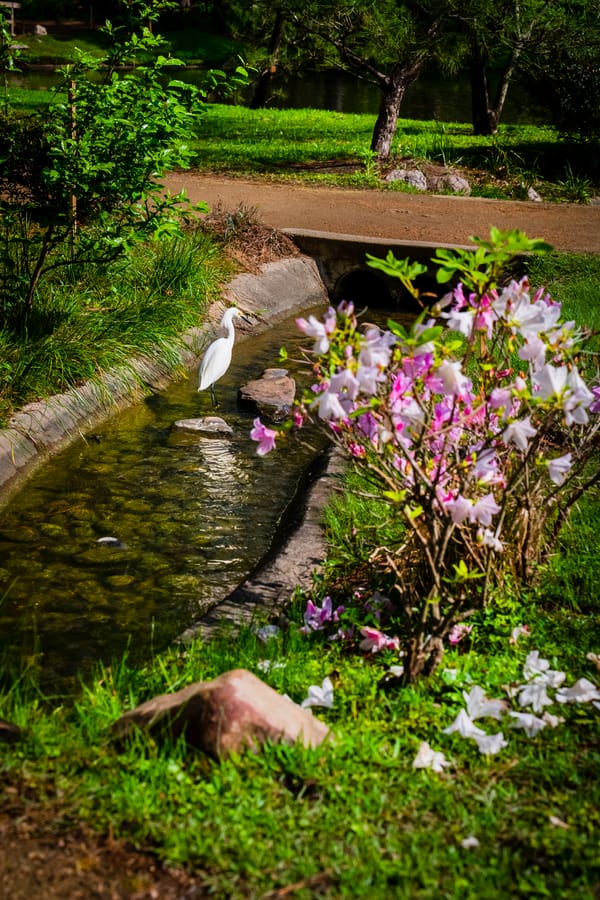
217, 358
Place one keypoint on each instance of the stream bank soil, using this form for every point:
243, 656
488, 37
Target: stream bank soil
46, 855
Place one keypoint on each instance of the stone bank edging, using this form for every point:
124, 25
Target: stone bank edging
45, 427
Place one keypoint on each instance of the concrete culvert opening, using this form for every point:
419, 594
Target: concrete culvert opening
364, 288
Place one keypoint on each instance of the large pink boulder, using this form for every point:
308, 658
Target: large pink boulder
233, 711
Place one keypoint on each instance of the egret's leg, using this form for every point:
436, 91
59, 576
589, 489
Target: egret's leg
214, 397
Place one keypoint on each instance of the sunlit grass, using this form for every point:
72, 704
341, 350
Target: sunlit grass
311, 145
353, 815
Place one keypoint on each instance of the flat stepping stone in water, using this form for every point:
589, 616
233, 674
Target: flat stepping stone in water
204, 425
273, 393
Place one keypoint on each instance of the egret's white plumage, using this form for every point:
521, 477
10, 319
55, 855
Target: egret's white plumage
217, 358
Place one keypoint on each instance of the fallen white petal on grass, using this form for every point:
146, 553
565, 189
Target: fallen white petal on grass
594, 658
450, 675
464, 726
469, 842
267, 632
519, 631
583, 691
479, 706
490, 744
552, 720
552, 678
267, 665
320, 695
427, 758
534, 665
535, 695
529, 722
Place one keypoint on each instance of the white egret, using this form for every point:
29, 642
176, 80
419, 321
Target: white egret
217, 358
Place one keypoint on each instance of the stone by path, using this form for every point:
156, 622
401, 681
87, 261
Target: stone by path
429, 218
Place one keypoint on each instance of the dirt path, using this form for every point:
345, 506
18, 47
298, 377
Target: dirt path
390, 214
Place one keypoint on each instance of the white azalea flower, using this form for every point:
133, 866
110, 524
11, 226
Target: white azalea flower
583, 691
534, 665
463, 724
559, 468
478, 705
320, 696
535, 695
453, 379
530, 723
427, 758
519, 432
551, 720
490, 744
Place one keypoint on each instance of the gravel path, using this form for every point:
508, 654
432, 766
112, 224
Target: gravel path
430, 218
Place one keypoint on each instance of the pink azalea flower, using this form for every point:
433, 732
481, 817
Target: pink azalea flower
319, 330
458, 632
265, 437
375, 640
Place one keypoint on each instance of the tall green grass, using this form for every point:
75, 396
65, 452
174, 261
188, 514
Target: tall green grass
86, 323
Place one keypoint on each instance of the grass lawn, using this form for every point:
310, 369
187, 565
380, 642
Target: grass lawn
333, 148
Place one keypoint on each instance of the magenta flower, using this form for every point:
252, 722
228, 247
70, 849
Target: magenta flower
374, 640
315, 617
265, 437
459, 632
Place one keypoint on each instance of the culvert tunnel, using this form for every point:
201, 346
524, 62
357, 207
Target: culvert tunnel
342, 264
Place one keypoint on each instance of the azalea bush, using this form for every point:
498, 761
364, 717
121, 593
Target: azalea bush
476, 425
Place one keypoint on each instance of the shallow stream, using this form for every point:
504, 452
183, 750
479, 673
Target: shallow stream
193, 514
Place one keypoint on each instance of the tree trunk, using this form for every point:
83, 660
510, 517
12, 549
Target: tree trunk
483, 119
263, 85
393, 91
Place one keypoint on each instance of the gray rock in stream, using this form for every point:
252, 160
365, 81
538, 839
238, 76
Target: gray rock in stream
204, 425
